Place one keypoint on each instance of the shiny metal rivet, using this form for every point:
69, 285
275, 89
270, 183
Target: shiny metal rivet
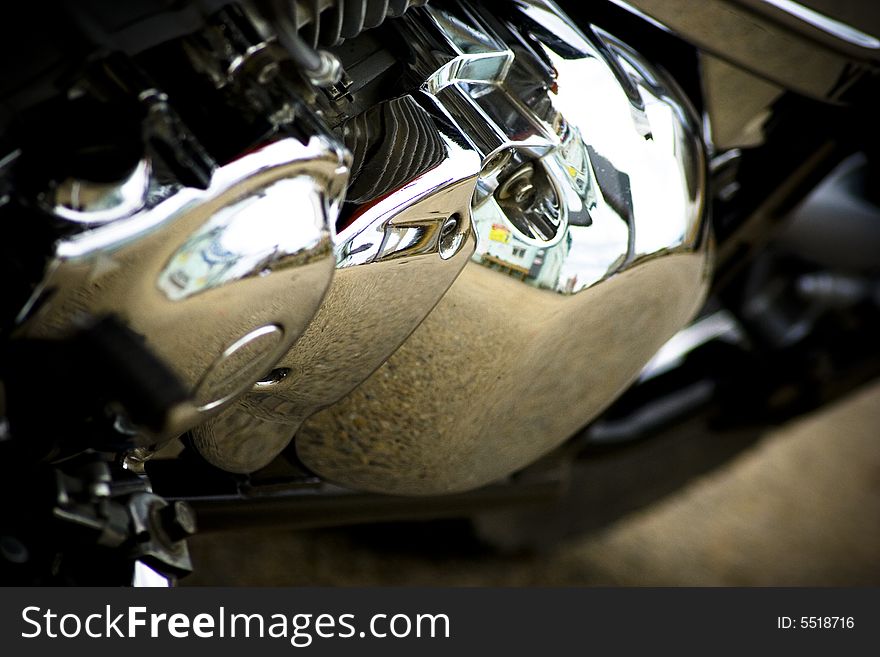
451, 236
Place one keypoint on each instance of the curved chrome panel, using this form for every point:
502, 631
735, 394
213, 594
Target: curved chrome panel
220, 281
395, 260
781, 41
592, 251
82, 201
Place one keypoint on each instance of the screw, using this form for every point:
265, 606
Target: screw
523, 191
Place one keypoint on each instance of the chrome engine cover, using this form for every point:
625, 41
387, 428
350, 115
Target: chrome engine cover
592, 250
394, 263
528, 234
219, 281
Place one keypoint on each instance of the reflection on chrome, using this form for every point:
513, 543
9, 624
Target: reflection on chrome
389, 228
251, 235
827, 24
87, 202
220, 281
561, 212
592, 251
395, 259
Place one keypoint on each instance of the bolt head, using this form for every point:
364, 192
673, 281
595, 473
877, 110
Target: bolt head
178, 520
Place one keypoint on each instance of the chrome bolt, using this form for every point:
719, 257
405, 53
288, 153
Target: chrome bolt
451, 236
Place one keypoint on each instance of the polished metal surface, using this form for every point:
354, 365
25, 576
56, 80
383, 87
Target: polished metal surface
591, 251
835, 28
787, 43
82, 201
219, 281
395, 259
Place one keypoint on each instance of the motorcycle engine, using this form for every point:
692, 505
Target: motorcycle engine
426, 254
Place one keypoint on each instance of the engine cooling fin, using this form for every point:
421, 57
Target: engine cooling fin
391, 143
328, 23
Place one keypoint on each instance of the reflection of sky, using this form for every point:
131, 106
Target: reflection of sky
589, 255
592, 99
266, 222
595, 249
243, 238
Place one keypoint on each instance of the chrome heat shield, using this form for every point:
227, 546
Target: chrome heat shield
561, 233
592, 250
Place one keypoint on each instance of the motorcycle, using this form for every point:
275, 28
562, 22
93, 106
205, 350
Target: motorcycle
281, 262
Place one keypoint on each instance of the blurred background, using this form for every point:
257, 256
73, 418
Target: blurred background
800, 506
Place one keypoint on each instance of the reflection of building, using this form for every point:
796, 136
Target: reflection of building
499, 248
